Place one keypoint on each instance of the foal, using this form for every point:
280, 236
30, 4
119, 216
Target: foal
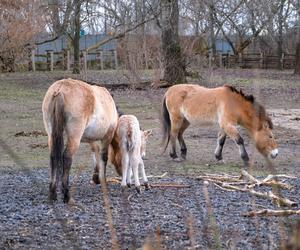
84, 113
128, 150
186, 104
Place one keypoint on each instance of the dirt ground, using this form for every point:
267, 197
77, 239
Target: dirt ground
171, 218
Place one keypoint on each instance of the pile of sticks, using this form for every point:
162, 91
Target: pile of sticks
247, 183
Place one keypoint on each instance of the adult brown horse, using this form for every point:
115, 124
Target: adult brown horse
84, 113
186, 104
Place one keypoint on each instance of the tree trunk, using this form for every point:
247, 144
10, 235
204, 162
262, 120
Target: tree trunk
174, 65
297, 66
280, 36
76, 40
212, 29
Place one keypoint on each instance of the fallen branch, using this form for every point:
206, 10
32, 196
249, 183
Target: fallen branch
219, 178
169, 185
272, 183
249, 177
158, 176
119, 179
280, 201
233, 185
269, 212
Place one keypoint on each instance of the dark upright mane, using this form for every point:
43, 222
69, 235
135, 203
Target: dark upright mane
260, 110
249, 98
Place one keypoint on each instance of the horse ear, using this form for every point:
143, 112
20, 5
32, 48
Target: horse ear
266, 125
147, 133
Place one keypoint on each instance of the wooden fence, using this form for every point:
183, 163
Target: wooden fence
64, 60
100, 60
254, 60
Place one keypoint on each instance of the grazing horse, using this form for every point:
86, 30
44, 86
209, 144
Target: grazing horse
128, 148
186, 104
84, 113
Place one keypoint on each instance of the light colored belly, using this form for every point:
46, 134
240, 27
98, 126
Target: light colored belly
96, 129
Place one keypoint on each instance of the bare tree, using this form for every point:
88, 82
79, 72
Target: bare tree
76, 37
297, 66
174, 66
20, 22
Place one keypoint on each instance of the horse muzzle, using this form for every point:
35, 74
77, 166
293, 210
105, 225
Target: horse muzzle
274, 153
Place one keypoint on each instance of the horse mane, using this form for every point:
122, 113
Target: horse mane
249, 98
260, 110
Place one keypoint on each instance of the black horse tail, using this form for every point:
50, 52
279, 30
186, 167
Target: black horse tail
166, 125
58, 126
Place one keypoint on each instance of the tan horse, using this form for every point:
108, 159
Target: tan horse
85, 113
128, 148
186, 104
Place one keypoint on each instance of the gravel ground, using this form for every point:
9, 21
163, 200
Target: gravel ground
175, 218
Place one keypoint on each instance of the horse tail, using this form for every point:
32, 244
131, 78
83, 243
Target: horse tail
166, 125
129, 141
58, 125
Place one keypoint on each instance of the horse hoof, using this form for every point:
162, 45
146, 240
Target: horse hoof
147, 186
123, 188
52, 197
96, 179
173, 155
219, 157
138, 189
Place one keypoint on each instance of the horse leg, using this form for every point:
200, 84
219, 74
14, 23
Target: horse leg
54, 176
96, 161
233, 133
220, 144
53, 182
182, 144
175, 127
145, 179
125, 169
129, 174
135, 165
71, 149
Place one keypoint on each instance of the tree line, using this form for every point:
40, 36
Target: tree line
271, 26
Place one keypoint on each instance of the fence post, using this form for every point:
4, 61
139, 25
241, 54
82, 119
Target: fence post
228, 60
220, 60
101, 59
33, 60
261, 60
282, 61
209, 59
240, 59
66, 55
50, 60
116, 59
84, 54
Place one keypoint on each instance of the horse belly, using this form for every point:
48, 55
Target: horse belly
200, 118
95, 130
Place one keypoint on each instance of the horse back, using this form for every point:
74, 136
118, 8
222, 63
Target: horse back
195, 103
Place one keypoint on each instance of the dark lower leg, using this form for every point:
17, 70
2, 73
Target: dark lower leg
183, 148
104, 158
173, 153
67, 162
219, 149
53, 183
243, 152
